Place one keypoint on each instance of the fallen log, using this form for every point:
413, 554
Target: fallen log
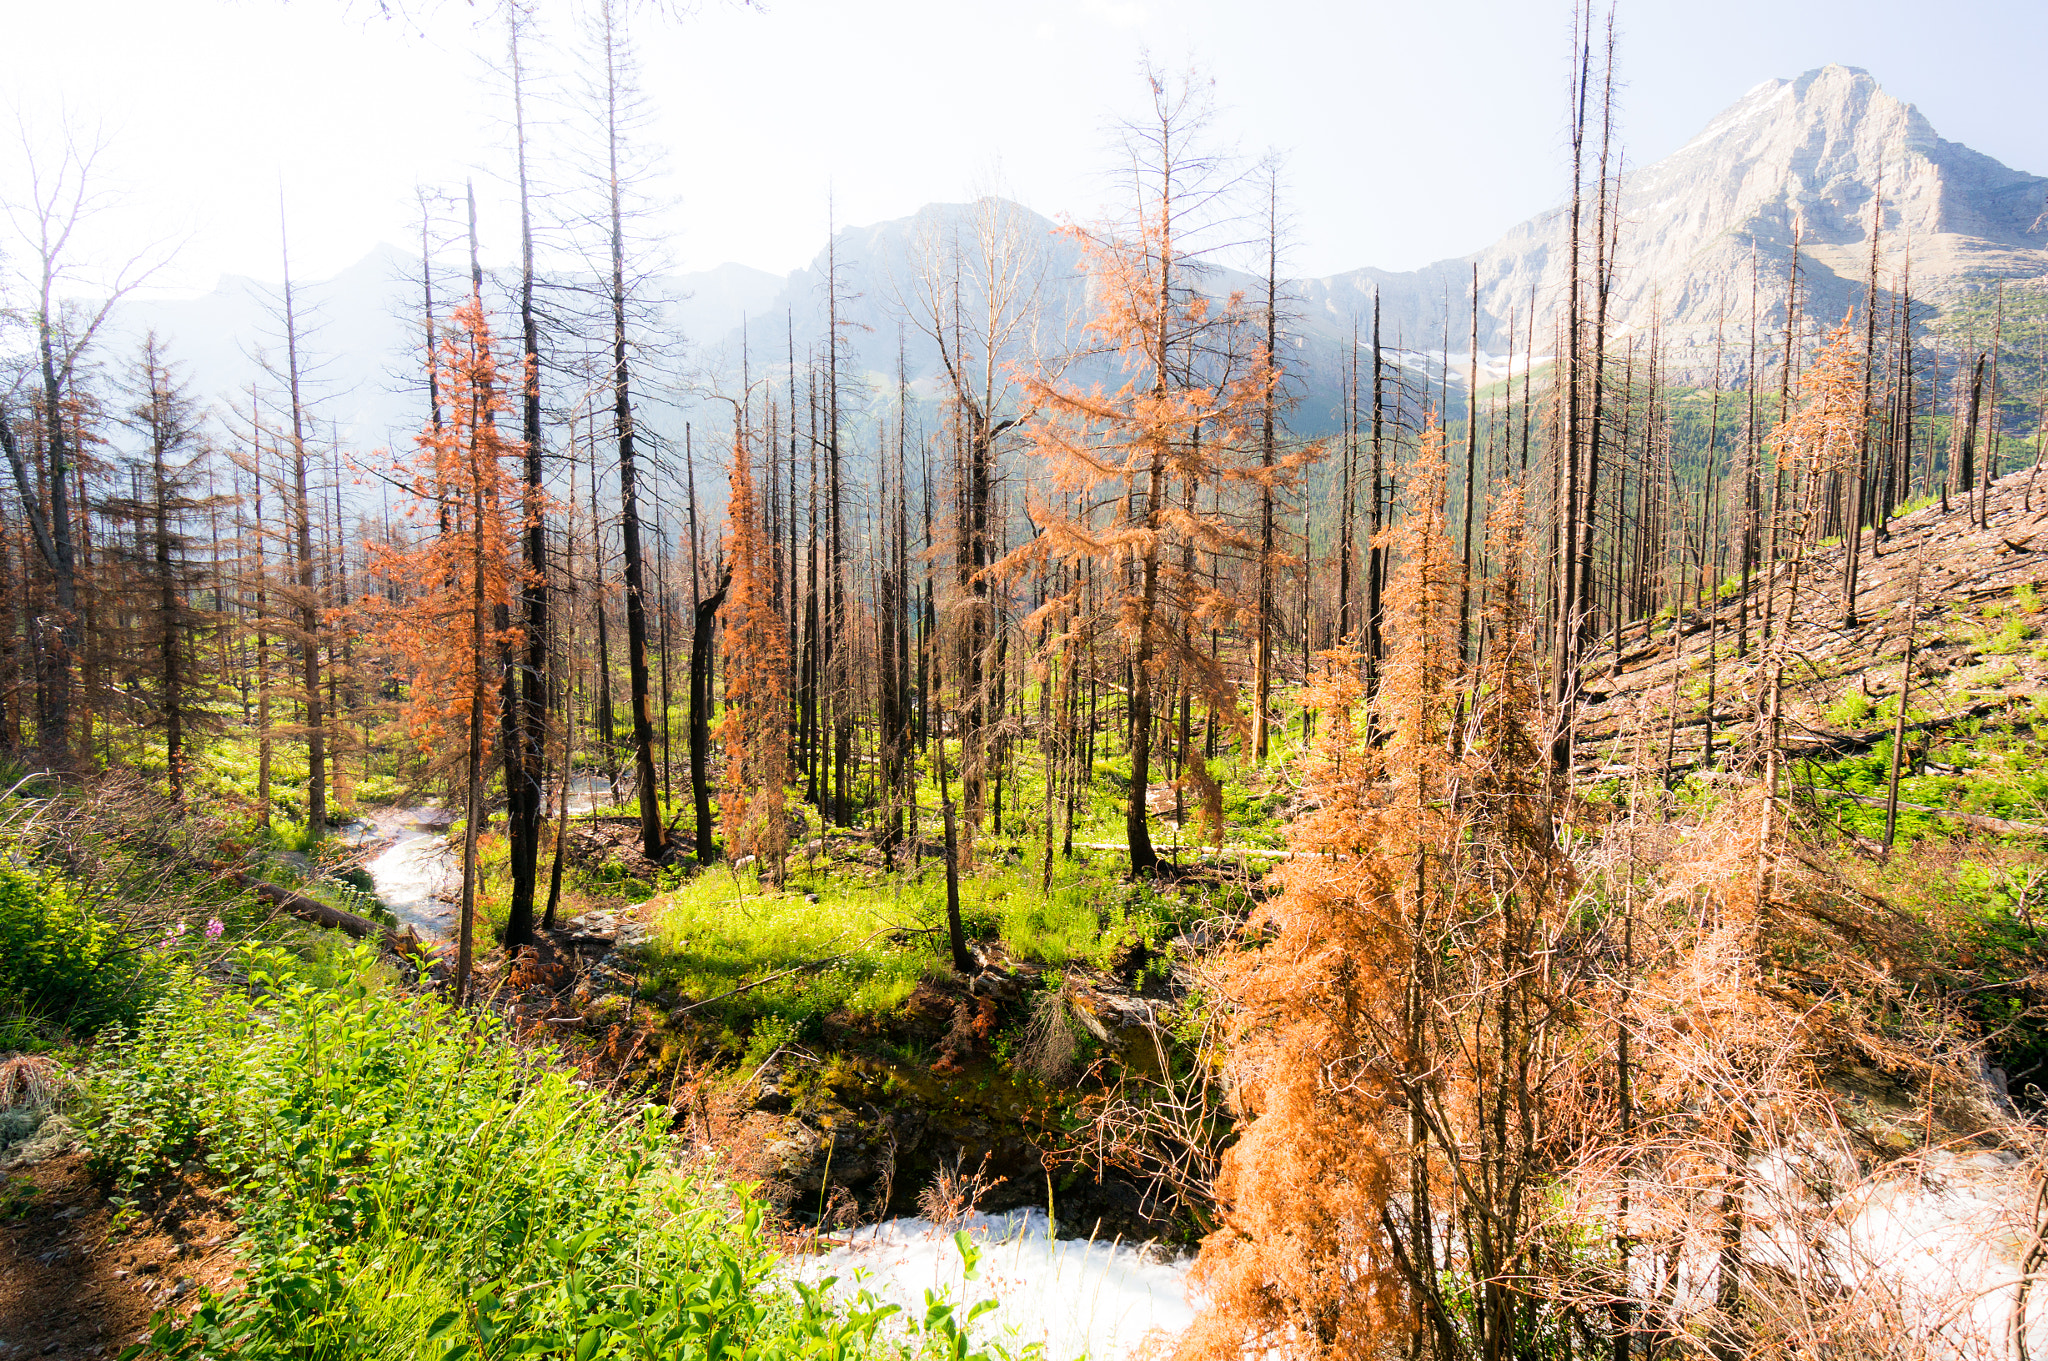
1167, 850
401, 942
1838, 744
1977, 820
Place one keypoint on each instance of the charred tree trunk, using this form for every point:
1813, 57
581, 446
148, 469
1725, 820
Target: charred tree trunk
701, 635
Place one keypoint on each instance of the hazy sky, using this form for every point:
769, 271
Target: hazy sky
1415, 129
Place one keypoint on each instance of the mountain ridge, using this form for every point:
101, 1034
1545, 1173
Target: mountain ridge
1815, 150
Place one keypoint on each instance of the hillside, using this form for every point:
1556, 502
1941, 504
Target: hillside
1980, 672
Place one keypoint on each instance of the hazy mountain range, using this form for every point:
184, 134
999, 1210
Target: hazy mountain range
1816, 151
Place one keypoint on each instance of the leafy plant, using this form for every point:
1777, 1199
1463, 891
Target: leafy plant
410, 1183
1851, 710
61, 961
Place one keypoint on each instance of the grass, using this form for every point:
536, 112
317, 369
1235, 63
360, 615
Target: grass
410, 1184
723, 929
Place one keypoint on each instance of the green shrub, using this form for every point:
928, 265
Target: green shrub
2010, 637
408, 1183
62, 962
1851, 710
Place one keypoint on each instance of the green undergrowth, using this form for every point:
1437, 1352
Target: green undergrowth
409, 1184
1978, 896
65, 968
406, 1182
105, 903
225, 778
724, 929
1982, 908
1975, 766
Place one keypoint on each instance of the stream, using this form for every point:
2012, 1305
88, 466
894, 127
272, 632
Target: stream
1076, 1296
415, 873
418, 874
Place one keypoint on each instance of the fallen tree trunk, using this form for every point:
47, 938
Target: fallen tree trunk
401, 942
1268, 852
1977, 820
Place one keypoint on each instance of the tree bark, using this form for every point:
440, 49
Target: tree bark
701, 636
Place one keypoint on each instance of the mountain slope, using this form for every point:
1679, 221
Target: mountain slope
1813, 151
1976, 734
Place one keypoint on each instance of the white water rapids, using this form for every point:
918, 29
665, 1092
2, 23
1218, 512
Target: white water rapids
1074, 1296
413, 874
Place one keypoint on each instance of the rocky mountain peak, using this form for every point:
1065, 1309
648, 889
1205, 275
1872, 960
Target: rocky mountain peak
1824, 154
1814, 152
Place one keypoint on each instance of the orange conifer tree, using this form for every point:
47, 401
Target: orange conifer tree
1304, 1260
1388, 1041
755, 725
1143, 461
437, 623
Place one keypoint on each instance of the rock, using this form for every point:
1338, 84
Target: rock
773, 1096
994, 981
795, 1154
593, 932
613, 973
1124, 1024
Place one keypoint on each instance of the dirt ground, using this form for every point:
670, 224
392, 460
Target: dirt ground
72, 1286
